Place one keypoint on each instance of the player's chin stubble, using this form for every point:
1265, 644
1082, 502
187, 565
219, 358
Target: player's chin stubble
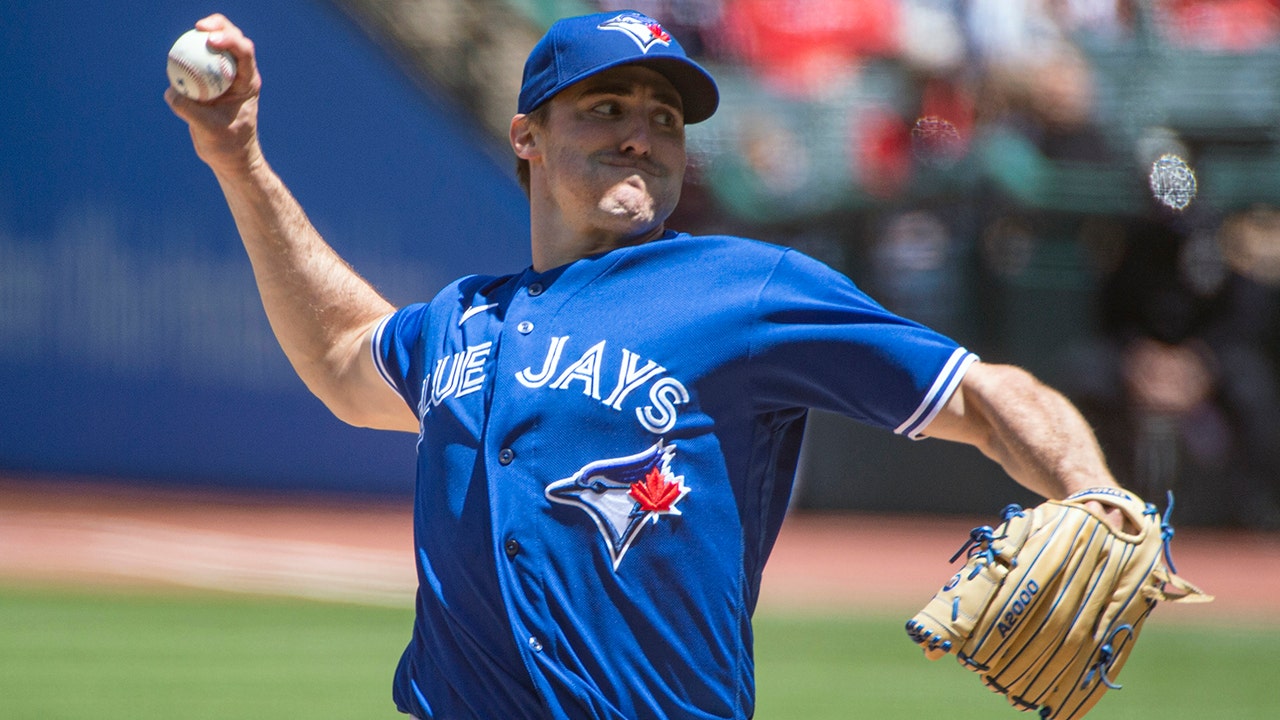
634, 201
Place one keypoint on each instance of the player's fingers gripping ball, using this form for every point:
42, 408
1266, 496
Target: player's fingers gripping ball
1049, 603
197, 71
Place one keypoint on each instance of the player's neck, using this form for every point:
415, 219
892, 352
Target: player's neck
555, 243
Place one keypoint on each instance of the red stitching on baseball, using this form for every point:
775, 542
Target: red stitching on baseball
194, 76
193, 73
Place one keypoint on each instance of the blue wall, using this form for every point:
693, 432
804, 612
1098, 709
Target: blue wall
132, 340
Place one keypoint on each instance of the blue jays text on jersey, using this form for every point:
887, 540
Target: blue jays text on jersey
462, 373
606, 454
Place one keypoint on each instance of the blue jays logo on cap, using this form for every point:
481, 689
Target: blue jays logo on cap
621, 494
576, 48
644, 30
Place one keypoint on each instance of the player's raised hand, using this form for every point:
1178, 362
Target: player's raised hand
225, 130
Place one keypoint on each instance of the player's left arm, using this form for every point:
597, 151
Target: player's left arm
1035, 433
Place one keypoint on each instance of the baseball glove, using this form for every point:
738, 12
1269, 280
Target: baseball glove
1049, 604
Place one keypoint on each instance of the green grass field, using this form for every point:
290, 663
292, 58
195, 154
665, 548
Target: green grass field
112, 655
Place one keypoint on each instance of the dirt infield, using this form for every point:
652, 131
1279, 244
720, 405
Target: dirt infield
83, 533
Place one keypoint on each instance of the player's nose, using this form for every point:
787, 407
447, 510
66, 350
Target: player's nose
637, 138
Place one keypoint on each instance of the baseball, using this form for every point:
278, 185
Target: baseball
1173, 182
198, 72
935, 141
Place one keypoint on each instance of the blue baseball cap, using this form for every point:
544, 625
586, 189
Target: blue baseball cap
578, 47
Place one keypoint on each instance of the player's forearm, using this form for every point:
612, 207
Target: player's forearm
317, 305
1040, 437
1037, 436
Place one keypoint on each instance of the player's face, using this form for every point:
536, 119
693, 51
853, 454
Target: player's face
613, 152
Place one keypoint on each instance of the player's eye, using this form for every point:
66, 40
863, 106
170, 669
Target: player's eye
608, 108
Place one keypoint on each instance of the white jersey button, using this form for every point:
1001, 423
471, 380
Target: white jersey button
535, 644
506, 455
525, 327
535, 289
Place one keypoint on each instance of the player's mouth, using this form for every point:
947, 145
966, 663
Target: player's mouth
644, 165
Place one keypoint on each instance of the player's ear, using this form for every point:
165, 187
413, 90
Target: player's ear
523, 137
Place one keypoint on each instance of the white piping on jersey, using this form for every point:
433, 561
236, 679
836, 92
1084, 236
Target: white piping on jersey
376, 342
943, 387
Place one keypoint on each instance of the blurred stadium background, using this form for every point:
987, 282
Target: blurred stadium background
982, 165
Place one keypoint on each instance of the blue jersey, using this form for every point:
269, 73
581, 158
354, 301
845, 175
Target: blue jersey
606, 455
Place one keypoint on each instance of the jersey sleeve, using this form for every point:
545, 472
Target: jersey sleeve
396, 347
821, 342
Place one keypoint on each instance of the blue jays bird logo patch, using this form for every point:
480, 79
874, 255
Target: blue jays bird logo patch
621, 494
644, 30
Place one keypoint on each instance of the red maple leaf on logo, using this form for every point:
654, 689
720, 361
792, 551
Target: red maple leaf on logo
661, 34
655, 494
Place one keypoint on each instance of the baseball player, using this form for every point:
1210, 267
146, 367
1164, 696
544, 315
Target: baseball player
608, 437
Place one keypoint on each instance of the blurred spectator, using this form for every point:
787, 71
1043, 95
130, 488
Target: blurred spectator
1050, 101
1009, 33
1099, 21
1185, 385
775, 155
1034, 123
804, 47
1226, 26
930, 37
881, 140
